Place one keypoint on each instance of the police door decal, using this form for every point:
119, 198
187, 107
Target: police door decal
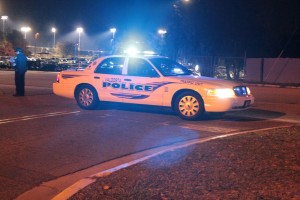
126, 86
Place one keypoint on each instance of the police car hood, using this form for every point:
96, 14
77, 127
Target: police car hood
213, 82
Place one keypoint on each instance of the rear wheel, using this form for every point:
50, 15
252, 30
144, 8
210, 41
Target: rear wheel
86, 97
189, 106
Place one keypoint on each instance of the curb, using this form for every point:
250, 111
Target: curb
64, 187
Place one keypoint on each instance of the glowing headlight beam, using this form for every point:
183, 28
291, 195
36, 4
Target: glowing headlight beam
248, 91
221, 93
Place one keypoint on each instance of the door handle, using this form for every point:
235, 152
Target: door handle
126, 79
96, 77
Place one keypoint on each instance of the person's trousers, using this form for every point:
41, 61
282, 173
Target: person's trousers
20, 83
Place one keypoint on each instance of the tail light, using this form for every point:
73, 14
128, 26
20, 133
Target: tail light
58, 77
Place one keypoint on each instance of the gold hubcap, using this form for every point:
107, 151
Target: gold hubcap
189, 106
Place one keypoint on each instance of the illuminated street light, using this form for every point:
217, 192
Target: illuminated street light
36, 36
53, 30
79, 30
113, 31
162, 43
4, 18
162, 32
25, 30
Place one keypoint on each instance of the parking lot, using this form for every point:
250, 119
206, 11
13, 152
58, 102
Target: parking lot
45, 137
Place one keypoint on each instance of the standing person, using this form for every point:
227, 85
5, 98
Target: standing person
20, 66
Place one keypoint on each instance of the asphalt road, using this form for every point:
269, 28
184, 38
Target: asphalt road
44, 137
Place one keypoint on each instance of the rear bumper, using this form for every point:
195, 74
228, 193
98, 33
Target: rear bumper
63, 90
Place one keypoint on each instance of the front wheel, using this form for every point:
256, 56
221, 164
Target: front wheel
189, 106
86, 97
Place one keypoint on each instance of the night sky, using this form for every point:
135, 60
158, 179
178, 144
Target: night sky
94, 16
271, 24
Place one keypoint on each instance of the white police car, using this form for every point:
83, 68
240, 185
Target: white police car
151, 80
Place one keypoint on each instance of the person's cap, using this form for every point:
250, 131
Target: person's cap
18, 50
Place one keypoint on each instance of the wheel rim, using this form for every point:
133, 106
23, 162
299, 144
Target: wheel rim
189, 106
86, 97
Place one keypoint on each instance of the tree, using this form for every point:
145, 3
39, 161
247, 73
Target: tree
6, 48
17, 40
177, 35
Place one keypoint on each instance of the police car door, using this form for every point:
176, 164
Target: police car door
109, 73
140, 83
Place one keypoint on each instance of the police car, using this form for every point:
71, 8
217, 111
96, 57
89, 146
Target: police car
151, 80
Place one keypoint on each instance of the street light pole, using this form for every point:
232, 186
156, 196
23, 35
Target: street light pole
36, 36
4, 18
113, 31
162, 33
25, 30
53, 31
79, 30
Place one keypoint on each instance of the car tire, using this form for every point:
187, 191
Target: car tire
189, 106
86, 97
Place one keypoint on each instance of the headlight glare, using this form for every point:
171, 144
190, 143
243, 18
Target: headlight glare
248, 91
221, 93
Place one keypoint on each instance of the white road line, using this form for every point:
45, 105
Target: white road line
27, 86
30, 117
79, 185
209, 128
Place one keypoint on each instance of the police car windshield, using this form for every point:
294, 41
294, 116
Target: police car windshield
169, 67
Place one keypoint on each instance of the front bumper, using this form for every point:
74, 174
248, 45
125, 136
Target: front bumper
228, 104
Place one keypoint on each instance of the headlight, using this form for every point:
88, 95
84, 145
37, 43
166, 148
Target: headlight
248, 91
221, 93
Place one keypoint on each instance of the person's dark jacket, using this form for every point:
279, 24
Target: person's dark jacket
21, 63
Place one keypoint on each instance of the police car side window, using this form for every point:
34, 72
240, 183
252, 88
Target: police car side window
140, 67
111, 66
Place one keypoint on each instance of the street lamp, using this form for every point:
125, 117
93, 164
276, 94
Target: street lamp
25, 30
113, 31
36, 36
53, 30
79, 30
162, 32
3, 18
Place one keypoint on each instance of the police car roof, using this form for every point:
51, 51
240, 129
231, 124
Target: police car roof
135, 56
